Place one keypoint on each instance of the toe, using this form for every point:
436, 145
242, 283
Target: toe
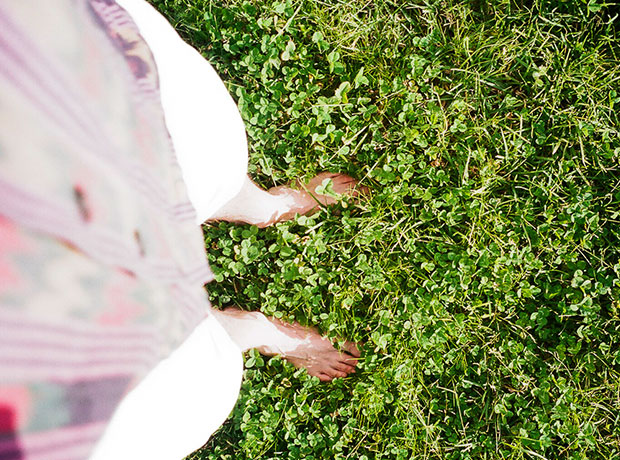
333, 372
344, 184
352, 349
343, 179
344, 367
345, 359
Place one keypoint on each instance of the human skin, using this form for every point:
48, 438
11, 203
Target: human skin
300, 345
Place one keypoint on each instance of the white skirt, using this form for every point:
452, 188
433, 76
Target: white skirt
179, 404
206, 128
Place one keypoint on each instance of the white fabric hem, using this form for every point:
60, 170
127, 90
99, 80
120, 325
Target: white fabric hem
180, 403
204, 123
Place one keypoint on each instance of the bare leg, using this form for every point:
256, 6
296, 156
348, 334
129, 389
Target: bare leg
262, 208
302, 346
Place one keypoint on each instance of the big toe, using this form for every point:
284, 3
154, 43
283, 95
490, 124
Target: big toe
352, 349
344, 366
334, 372
342, 184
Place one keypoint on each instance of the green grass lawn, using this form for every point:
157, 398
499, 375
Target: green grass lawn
482, 273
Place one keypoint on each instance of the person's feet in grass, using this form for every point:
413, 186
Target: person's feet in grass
313, 352
302, 346
307, 198
253, 205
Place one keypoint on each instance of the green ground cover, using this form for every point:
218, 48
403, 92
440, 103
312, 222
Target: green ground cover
482, 273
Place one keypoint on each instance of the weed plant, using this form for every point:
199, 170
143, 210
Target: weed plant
482, 273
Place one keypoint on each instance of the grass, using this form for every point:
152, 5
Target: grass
482, 273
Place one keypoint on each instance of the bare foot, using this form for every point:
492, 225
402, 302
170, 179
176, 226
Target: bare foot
305, 198
301, 346
253, 205
310, 350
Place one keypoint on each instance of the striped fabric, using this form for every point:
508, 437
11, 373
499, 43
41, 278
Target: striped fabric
101, 265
